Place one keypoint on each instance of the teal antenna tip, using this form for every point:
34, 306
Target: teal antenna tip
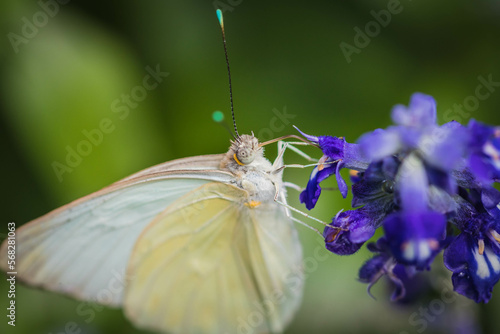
220, 18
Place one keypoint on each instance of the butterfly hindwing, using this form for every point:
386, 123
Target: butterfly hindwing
203, 265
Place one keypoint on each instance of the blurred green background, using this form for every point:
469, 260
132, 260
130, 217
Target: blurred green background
61, 77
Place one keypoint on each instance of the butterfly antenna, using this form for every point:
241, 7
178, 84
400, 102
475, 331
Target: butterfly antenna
221, 22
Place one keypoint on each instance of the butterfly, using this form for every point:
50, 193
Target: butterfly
194, 245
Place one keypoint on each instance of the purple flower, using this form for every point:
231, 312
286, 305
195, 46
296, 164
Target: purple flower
475, 264
441, 147
420, 113
384, 264
413, 123
415, 233
474, 255
484, 159
356, 227
415, 238
337, 154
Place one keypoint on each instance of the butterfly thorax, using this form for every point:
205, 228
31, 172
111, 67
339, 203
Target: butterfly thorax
253, 172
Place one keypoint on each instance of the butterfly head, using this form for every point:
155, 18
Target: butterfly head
244, 151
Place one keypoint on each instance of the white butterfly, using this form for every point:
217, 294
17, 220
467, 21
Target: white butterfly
204, 244
195, 245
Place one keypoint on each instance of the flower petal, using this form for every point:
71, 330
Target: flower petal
420, 113
476, 269
442, 180
373, 269
340, 181
490, 198
444, 147
313, 139
310, 195
484, 144
384, 264
481, 168
415, 238
412, 184
441, 201
354, 157
380, 143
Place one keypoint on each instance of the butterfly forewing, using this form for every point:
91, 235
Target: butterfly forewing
82, 249
201, 162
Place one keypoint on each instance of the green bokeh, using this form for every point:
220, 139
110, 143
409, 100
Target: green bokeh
218, 116
65, 80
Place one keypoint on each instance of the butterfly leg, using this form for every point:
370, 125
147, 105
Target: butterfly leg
290, 145
283, 146
280, 198
282, 201
300, 189
278, 164
293, 186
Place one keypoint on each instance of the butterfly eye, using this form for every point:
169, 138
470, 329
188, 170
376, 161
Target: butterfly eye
245, 155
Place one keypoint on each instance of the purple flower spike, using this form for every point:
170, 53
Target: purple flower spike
430, 187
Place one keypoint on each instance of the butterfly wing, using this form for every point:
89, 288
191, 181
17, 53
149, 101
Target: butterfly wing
200, 162
210, 263
82, 249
